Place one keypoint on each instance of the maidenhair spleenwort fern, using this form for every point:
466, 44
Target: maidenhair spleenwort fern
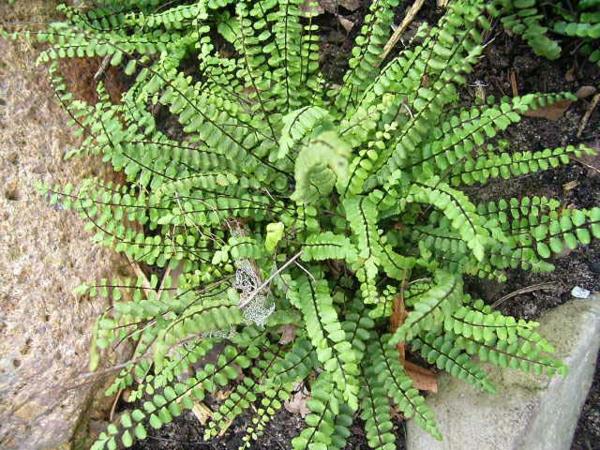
284, 204
541, 23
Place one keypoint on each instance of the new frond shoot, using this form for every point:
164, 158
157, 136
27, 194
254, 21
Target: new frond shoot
289, 214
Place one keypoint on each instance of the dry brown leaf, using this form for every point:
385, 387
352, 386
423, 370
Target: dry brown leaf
570, 185
297, 403
350, 5
398, 316
288, 333
347, 24
551, 112
555, 111
423, 379
585, 92
202, 412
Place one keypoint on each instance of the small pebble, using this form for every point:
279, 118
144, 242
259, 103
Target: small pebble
594, 266
579, 292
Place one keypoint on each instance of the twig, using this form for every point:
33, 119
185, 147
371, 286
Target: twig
305, 270
588, 114
140, 273
410, 15
103, 67
536, 287
268, 280
113, 408
595, 169
513, 83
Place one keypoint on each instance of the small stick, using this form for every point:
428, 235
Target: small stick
513, 83
268, 280
410, 15
305, 270
113, 408
595, 169
140, 273
588, 114
103, 67
536, 287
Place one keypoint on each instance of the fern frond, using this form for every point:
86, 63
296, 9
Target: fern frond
329, 420
385, 359
167, 403
507, 166
524, 18
320, 166
375, 410
366, 54
293, 215
457, 208
327, 336
328, 245
430, 308
361, 213
568, 230
242, 397
270, 404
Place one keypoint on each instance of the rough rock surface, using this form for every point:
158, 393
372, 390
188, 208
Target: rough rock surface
528, 412
44, 254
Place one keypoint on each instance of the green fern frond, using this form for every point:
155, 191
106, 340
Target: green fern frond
334, 352
385, 359
431, 306
291, 217
442, 351
329, 419
375, 411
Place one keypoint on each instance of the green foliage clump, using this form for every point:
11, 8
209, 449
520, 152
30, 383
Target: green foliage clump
291, 215
536, 21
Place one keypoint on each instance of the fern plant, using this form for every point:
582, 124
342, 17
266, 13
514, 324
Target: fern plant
292, 218
536, 20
